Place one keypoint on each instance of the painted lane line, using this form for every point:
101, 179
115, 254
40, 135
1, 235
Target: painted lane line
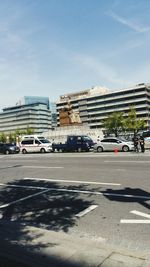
136, 221
86, 192
125, 161
140, 213
71, 181
42, 167
127, 196
22, 199
24, 186
84, 212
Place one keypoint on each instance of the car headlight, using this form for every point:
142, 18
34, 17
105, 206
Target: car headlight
11, 148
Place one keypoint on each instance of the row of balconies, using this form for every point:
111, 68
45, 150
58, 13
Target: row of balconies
102, 117
116, 109
14, 128
102, 98
115, 98
24, 122
102, 103
99, 121
23, 117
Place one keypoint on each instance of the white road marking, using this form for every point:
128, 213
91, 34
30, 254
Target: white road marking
24, 198
136, 221
140, 213
42, 167
84, 212
70, 181
81, 191
23, 186
126, 161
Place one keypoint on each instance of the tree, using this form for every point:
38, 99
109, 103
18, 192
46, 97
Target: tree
12, 137
29, 130
2, 137
114, 123
133, 123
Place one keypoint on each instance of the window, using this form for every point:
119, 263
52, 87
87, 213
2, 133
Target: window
37, 142
27, 142
44, 141
115, 141
109, 140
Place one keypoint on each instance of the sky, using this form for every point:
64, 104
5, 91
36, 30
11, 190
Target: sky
53, 47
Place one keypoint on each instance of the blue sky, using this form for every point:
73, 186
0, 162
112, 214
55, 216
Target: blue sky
53, 47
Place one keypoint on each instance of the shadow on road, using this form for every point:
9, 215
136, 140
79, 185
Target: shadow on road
43, 205
129, 195
9, 167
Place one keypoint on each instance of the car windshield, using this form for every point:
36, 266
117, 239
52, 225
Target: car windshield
44, 141
87, 138
122, 139
9, 144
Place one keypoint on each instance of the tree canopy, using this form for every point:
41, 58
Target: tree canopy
114, 123
119, 122
133, 123
11, 137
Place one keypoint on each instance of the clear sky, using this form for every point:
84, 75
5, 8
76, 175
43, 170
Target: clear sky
53, 47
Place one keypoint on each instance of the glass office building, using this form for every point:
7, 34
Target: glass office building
27, 100
35, 115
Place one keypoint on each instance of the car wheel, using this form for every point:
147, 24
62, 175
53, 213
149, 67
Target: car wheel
7, 152
99, 149
42, 150
24, 151
125, 148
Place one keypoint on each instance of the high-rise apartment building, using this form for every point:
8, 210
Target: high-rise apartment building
96, 104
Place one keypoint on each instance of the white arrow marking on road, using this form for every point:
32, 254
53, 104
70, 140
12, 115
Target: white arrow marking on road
137, 221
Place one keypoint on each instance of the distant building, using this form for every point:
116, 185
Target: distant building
95, 104
53, 110
35, 115
27, 100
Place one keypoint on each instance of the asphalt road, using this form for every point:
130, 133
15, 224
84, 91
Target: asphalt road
104, 197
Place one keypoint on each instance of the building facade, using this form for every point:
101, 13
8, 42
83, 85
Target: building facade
96, 104
36, 116
53, 110
27, 100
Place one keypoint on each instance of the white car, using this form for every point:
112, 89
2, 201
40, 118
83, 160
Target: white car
33, 143
112, 144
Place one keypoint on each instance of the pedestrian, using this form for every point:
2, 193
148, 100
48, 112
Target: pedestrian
142, 144
136, 144
98, 138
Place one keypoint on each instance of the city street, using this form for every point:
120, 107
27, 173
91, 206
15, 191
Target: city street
102, 197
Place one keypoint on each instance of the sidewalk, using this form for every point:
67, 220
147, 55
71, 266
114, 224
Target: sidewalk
43, 248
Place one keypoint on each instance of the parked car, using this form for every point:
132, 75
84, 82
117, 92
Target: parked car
110, 144
34, 143
9, 148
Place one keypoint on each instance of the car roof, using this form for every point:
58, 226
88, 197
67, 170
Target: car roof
110, 138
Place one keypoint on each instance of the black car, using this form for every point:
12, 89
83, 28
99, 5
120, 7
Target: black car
9, 148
